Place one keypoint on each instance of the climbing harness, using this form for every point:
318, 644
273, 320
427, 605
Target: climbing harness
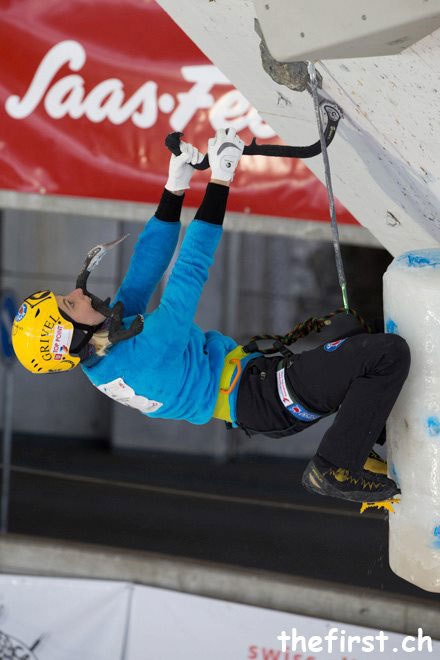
280, 343
236, 359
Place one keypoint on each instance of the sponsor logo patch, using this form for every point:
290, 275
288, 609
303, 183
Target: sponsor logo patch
333, 345
298, 411
62, 338
120, 391
294, 407
21, 312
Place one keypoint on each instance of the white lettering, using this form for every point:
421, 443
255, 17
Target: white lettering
405, 647
198, 97
141, 107
330, 638
421, 639
352, 639
298, 639
258, 126
66, 52
67, 97
284, 638
146, 98
368, 644
105, 97
381, 638
230, 110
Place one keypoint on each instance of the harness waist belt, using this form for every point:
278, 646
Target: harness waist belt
290, 400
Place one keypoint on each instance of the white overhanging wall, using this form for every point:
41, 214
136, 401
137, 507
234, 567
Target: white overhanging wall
385, 156
386, 171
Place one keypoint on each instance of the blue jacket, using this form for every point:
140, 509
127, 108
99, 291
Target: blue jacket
172, 368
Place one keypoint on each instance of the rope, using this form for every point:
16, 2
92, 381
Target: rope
315, 324
328, 180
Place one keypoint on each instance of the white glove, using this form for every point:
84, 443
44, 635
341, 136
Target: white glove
181, 167
224, 152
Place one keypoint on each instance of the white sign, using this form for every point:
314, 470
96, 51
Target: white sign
166, 625
61, 619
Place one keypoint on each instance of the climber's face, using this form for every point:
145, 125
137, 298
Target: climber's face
79, 308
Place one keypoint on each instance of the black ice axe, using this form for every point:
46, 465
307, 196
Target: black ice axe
334, 114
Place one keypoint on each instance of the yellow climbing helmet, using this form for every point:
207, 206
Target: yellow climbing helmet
42, 336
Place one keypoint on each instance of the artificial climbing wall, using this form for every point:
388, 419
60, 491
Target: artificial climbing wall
385, 158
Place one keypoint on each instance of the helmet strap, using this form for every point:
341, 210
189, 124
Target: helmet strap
76, 350
81, 335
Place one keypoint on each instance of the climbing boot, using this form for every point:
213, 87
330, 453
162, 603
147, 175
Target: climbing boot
323, 478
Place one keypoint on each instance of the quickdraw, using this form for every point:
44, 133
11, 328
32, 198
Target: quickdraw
328, 182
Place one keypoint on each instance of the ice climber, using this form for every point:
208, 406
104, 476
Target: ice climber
165, 366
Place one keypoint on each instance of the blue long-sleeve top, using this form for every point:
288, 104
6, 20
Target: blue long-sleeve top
172, 368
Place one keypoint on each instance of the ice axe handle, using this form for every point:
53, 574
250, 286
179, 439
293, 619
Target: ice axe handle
172, 142
334, 114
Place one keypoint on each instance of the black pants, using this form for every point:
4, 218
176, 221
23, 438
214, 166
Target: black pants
360, 379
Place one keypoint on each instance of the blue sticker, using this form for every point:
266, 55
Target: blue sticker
298, 411
393, 473
417, 261
333, 345
21, 312
391, 327
433, 426
436, 534
420, 259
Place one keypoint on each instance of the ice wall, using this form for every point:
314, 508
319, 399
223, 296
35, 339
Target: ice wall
412, 310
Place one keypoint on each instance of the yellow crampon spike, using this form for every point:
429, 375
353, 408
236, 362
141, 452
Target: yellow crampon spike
384, 504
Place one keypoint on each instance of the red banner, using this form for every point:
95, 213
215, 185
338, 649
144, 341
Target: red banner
89, 90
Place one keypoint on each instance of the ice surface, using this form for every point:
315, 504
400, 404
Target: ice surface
412, 310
